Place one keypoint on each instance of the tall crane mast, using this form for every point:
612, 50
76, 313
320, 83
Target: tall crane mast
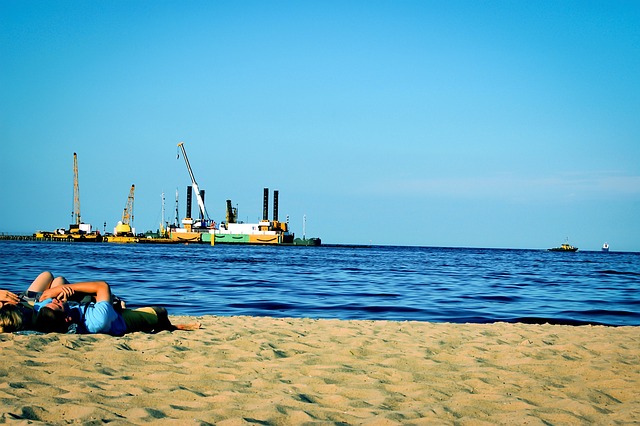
127, 214
75, 214
163, 224
203, 210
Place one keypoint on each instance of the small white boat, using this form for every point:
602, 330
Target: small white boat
605, 247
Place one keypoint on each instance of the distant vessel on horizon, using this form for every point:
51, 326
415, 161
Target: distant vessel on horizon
566, 247
605, 247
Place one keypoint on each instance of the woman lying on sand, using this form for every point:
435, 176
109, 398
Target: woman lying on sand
16, 310
55, 313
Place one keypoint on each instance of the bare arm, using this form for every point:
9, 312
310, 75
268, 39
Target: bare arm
8, 297
99, 289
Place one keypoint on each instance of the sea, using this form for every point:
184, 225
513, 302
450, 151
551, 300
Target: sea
458, 285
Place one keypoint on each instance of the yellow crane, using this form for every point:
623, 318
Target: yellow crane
78, 230
123, 232
123, 228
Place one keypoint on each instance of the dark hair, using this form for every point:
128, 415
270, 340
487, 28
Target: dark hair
50, 321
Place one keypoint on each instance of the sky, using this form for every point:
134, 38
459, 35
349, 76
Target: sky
497, 124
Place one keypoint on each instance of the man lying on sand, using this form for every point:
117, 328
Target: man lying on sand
56, 314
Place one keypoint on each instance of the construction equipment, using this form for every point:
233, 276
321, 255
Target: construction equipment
204, 216
232, 213
78, 230
75, 212
124, 232
162, 230
123, 228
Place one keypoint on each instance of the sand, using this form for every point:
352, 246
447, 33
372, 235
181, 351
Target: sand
272, 371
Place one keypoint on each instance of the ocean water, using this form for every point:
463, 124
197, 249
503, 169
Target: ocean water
374, 283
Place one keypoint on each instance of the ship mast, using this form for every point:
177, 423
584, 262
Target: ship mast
304, 227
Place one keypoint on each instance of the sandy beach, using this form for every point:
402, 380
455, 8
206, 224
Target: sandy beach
257, 370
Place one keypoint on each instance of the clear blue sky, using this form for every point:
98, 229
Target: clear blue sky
437, 123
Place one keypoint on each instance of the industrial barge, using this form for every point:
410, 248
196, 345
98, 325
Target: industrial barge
201, 230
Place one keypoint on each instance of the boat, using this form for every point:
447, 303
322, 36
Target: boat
204, 230
76, 233
605, 247
304, 241
566, 247
231, 231
265, 231
307, 242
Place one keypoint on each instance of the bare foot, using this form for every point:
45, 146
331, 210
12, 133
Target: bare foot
187, 327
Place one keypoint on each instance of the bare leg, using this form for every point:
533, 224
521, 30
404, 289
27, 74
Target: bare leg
58, 281
187, 327
165, 324
42, 282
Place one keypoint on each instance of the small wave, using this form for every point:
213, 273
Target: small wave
264, 306
614, 272
376, 308
604, 313
240, 260
249, 282
352, 269
492, 298
383, 295
499, 298
553, 321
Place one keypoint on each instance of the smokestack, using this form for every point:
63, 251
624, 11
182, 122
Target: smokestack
231, 218
275, 205
189, 201
202, 196
265, 205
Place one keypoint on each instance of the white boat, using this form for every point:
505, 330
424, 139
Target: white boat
605, 247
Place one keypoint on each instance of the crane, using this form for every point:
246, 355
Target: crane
75, 213
203, 210
78, 230
123, 228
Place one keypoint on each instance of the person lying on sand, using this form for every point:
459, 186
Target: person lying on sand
56, 313
16, 310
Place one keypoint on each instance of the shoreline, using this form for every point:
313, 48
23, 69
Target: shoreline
281, 371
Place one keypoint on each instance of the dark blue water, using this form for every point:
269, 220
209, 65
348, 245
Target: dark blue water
393, 283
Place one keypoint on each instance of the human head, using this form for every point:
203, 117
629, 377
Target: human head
10, 319
52, 318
